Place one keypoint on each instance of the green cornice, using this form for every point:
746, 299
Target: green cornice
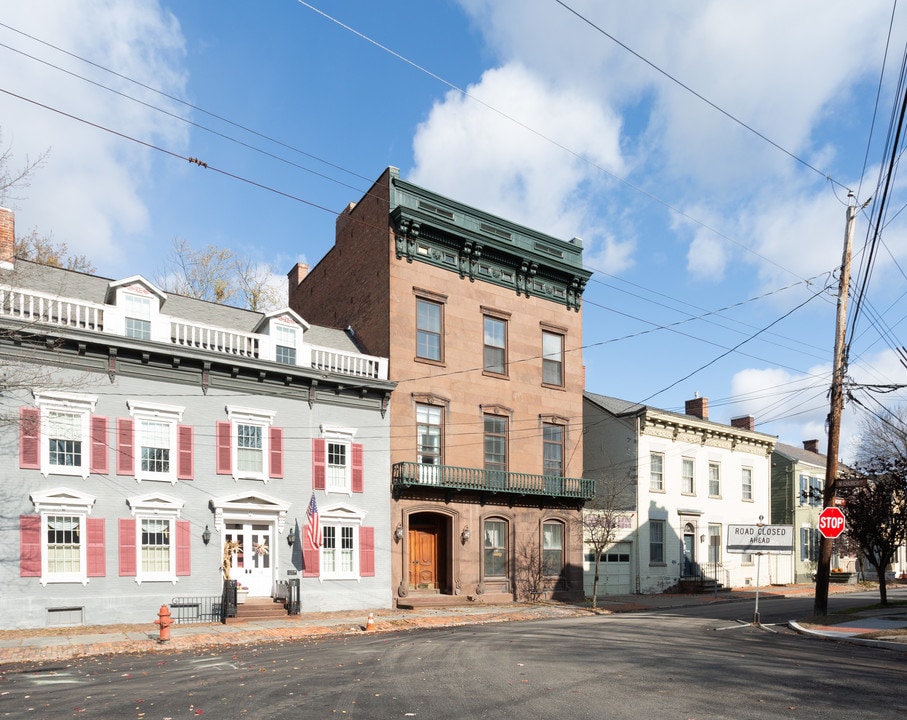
479, 246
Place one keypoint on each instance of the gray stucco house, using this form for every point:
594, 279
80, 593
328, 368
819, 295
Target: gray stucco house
145, 432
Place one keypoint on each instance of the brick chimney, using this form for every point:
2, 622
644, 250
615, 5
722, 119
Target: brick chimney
698, 407
811, 446
296, 276
7, 237
745, 422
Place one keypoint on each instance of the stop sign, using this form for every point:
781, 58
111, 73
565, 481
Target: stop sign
831, 522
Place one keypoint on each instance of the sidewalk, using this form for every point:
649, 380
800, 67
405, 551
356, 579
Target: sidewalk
54, 644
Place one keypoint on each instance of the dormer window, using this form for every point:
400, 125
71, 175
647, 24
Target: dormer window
138, 316
285, 344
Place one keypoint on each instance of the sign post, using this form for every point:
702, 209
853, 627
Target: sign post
759, 540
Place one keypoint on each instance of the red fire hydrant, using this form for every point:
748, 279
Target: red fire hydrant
165, 621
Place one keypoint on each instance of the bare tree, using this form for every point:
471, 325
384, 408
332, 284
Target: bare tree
218, 275
615, 495
876, 511
884, 435
531, 571
43, 250
15, 179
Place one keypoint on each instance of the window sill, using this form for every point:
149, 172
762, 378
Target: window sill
550, 386
499, 376
429, 361
661, 491
689, 494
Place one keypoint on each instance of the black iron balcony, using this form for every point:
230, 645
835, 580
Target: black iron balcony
410, 474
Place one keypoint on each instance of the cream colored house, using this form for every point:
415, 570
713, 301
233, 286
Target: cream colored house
692, 478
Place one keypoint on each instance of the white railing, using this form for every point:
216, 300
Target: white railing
347, 363
214, 339
33, 306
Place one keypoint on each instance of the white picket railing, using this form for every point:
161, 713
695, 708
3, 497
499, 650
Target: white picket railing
346, 363
214, 339
33, 306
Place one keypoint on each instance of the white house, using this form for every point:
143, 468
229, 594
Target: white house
691, 478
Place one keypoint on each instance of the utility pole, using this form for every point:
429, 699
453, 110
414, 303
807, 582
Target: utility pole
839, 370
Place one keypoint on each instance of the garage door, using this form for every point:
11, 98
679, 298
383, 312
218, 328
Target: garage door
615, 577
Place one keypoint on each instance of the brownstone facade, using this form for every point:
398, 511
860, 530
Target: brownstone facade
481, 321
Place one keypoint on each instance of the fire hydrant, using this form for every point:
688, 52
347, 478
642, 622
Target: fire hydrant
165, 621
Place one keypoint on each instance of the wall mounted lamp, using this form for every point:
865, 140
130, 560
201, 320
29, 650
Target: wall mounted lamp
291, 538
206, 535
464, 536
398, 532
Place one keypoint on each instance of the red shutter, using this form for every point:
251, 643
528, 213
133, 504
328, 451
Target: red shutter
358, 483
311, 559
183, 544
224, 449
125, 442
30, 441
97, 553
127, 547
184, 452
367, 552
318, 463
30, 545
99, 445
276, 443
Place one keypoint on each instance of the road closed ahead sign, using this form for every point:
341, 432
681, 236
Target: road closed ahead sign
747, 539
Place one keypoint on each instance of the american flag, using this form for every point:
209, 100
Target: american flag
313, 531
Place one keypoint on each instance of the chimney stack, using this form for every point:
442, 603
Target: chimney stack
297, 275
7, 238
745, 422
811, 446
698, 407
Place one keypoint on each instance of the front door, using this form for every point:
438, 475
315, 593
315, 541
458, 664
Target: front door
423, 556
689, 555
251, 564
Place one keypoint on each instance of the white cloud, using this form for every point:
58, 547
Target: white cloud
478, 156
90, 191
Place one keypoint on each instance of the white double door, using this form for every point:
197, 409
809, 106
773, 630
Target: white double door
253, 562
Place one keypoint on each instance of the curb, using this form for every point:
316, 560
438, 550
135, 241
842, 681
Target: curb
852, 639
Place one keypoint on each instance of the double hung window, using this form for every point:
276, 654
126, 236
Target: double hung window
552, 358
137, 310
746, 490
553, 449
552, 548
656, 471
714, 479
248, 446
687, 476
285, 344
429, 330
149, 444
495, 353
61, 543
55, 436
495, 533
657, 541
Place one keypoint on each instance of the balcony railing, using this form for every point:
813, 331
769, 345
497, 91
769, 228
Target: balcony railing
36, 307
33, 306
410, 474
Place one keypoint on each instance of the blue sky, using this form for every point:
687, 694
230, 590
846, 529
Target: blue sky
711, 246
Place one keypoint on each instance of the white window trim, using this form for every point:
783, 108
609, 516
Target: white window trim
743, 484
82, 405
692, 478
154, 412
250, 416
340, 436
341, 515
63, 501
660, 486
155, 506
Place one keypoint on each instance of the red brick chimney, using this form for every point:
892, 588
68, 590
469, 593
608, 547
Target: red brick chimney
811, 446
745, 422
7, 237
296, 276
698, 407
